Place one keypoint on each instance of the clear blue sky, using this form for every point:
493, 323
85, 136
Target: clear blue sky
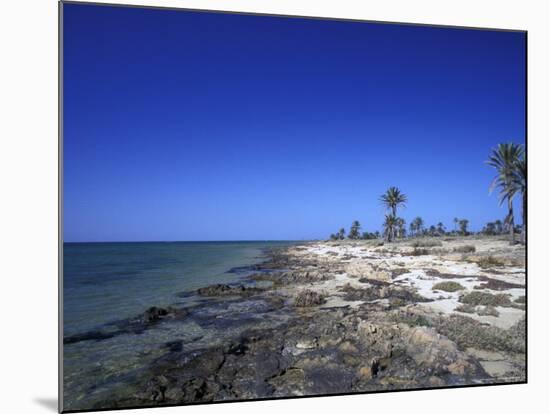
201, 126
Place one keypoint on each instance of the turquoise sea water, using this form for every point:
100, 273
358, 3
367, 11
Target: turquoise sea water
109, 282
112, 281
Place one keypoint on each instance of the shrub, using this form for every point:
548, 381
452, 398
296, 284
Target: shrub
468, 248
426, 243
465, 308
485, 299
488, 311
419, 252
521, 299
489, 261
448, 286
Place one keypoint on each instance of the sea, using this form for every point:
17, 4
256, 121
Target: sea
108, 282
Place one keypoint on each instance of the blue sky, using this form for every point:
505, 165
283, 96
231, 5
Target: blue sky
201, 126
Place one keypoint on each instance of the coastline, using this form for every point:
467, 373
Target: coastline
339, 317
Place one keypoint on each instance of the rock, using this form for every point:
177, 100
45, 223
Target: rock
307, 344
308, 298
365, 373
435, 381
154, 314
366, 328
227, 290
459, 367
289, 382
348, 347
371, 370
367, 270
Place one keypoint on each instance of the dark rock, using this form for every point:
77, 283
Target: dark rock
227, 290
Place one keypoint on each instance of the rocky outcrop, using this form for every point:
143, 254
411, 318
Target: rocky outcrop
366, 270
228, 290
307, 298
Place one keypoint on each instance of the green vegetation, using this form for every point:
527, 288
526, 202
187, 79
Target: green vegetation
469, 333
463, 226
486, 299
521, 299
354, 230
448, 286
392, 199
466, 308
509, 161
464, 249
416, 226
488, 311
426, 243
486, 262
419, 252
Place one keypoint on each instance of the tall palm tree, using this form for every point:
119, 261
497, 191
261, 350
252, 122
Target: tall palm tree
463, 224
455, 221
400, 223
392, 199
342, 233
498, 226
441, 228
505, 158
521, 183
418, 224
412, 229
354, 230
390, 223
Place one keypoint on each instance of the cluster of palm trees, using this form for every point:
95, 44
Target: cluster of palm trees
354, 233
393, 198
493, 228
510, 162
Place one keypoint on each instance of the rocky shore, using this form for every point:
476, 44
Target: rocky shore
342, 317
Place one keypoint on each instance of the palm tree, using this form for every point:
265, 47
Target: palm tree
441, 228
505, 159
455, 221
412, 229
489, 229
463, 224
418, 224
498, 226
342, 233
400, 223
521, 183
389, 227
354, 230
392, 199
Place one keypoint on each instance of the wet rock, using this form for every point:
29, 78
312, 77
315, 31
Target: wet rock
154, 314
227, 290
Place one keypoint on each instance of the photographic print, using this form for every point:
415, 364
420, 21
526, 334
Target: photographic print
259, 207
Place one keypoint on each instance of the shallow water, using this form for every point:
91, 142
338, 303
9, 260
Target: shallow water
108, 282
